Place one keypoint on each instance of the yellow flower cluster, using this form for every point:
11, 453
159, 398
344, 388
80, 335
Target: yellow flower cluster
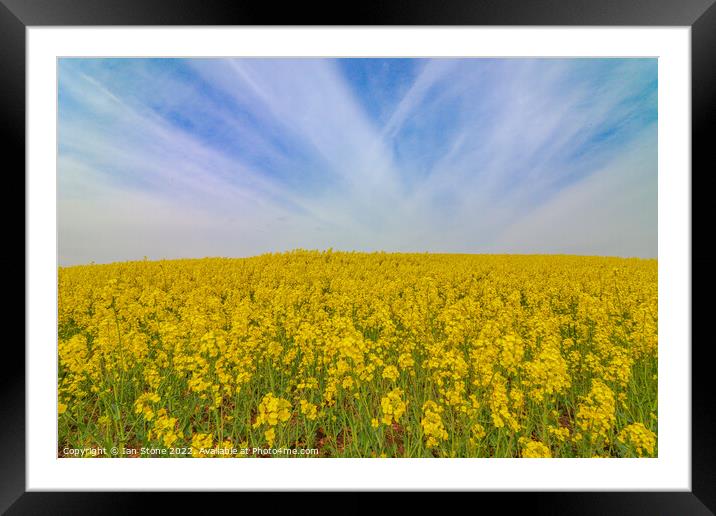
534, 449
272, 410
309, 410
201, 441
500, 404
432, 424
363, 354
390, 373
392, 406
144, 405
559, 433
640, 437
164, 429
596, 413
547, 374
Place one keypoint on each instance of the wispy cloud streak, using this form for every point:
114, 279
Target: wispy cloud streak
234, 157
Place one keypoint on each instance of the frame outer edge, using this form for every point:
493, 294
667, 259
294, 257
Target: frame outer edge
393, 12
12, 114
12, 142
703, 115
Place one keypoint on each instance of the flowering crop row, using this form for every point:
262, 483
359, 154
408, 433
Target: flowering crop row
362, 355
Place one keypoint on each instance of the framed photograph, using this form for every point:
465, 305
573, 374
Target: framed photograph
441, 249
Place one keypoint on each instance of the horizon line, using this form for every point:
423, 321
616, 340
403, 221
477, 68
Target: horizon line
340, 251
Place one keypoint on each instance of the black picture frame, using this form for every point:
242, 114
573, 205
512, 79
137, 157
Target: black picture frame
700, 15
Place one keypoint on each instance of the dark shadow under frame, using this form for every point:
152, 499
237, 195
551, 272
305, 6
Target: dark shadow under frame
700, 15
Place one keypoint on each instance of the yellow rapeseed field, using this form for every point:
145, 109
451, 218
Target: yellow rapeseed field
361, 355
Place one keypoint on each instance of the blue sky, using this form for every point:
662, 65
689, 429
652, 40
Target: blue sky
170, 158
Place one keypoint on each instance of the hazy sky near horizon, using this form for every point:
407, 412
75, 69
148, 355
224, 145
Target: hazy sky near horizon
170, 158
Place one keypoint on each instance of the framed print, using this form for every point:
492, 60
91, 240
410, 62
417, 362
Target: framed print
448, 248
